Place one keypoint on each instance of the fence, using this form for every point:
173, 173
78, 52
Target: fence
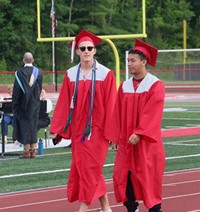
177, 66
180, 66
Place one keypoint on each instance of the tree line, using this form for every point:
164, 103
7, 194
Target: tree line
164, 28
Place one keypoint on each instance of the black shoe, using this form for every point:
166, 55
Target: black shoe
156, 208
131, 206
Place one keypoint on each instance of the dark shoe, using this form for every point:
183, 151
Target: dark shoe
32, 153
156, 208
25, 155
131, 206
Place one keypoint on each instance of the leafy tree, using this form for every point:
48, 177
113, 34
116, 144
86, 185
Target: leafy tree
18, 22
165, 22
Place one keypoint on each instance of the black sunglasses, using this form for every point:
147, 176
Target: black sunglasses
89, 48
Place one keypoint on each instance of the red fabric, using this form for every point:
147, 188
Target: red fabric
136, 83
149, 51
85, 38
86, 182
83, 34
139, 113
144, 51
184, 131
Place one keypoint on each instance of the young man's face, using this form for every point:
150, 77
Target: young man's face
135, 64
86, 51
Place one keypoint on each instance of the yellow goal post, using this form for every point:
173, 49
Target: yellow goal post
107, 38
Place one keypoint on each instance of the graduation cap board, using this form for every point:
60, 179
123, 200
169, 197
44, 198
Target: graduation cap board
149, 51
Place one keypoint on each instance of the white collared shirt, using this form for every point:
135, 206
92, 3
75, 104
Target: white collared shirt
28, 64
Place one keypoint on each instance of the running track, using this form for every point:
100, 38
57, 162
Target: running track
181, 193
181, 190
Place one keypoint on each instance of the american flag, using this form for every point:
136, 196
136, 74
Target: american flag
53, 19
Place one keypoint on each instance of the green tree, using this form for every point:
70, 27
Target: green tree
18, 22
165, 22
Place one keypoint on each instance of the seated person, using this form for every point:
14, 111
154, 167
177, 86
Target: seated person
45, 108
8, 118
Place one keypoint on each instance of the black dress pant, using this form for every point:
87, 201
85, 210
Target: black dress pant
131, 204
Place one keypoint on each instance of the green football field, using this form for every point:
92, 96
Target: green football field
52, 168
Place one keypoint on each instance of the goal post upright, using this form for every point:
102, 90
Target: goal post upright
107, 38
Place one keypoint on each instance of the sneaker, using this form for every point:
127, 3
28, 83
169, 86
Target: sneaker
16, 143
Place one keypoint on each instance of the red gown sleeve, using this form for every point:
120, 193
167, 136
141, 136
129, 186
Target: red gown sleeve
61, 111
151, 116
110, 92
115, 124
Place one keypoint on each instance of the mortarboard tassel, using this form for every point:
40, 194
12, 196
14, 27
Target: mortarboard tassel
73, 50
87, 132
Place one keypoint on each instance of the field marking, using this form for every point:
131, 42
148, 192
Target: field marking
59, 188
188, 119
32, 191
184, 156
41, 190
178, 144
33, 173
180, 196
36, 203
182, 141
183, 171
64, 199
108, 181
175, 109
64, 170
181, 182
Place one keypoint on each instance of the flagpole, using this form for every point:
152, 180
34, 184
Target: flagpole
53, 42
53, 62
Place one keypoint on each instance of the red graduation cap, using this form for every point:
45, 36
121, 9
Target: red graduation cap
149, 51
84, 35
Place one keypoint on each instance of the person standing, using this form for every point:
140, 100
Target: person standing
82, 114
26, 105
136, 133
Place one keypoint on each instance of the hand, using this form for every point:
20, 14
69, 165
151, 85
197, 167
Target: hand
113, 146
57, 139
133, 139
54, 135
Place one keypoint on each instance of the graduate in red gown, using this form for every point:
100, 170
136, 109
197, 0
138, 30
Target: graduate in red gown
83, 114
136, 133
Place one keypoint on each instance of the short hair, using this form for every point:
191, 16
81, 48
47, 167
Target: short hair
28, 58
141, 54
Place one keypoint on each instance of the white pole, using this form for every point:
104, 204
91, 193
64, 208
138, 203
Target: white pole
126, 65
53, 42
53, 61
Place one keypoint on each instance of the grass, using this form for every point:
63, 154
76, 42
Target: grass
52, 168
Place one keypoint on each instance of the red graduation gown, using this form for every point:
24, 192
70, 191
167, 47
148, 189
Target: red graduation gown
139, 112
86, 182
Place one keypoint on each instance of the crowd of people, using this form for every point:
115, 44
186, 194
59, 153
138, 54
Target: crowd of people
89, 103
